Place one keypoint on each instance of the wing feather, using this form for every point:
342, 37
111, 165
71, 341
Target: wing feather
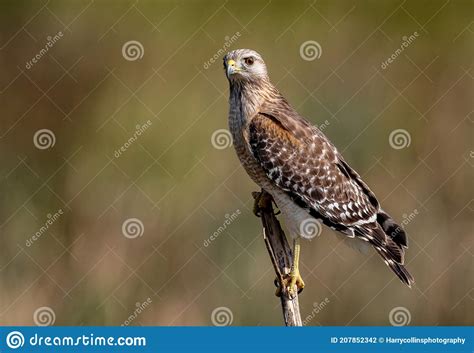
309, 169
299, 159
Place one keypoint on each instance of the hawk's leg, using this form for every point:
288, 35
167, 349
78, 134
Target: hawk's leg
295, 276
293, 279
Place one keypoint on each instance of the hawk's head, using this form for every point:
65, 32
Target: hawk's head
244, 65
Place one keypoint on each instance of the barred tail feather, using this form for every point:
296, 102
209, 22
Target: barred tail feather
391, 251
397, 268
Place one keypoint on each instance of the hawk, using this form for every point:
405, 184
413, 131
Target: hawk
302, 170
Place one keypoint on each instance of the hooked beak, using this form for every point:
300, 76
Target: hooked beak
232, 67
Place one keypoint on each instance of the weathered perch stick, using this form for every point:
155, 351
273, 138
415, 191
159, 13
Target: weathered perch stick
281, 256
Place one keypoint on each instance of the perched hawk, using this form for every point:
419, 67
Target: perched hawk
301, 169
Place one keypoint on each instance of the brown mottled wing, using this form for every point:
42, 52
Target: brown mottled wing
299, 127
302, 162
298, 158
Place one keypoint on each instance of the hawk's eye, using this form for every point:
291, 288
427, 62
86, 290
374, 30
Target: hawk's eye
249, 61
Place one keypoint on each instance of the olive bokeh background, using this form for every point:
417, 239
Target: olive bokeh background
200, 247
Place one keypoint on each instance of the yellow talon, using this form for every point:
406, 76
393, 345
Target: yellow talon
296, 284
293, 282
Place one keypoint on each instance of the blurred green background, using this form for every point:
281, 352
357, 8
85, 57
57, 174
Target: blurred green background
172, 179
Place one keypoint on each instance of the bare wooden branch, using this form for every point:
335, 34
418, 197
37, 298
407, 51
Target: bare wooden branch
281, 256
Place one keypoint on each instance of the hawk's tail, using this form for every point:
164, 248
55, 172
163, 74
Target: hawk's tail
398, 268
390, 242
392, 229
